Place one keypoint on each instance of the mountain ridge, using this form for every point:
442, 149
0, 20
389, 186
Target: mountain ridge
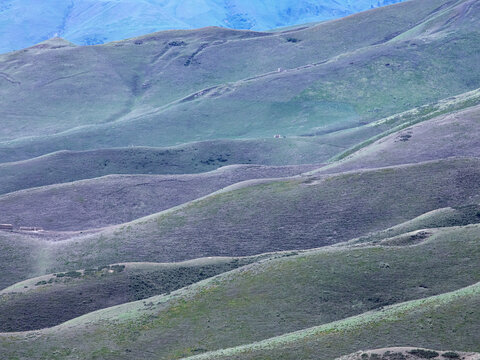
117, 20
300, 99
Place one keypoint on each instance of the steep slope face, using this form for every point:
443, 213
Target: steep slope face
165, 93
276, 296
19, 257
119, 199
24, 23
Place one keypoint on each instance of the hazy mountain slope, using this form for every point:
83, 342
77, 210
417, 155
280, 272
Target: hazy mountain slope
294, 102
26, 22
272, 297
117, 199
20, 257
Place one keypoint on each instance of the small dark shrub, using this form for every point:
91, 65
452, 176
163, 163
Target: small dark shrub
394, 356
73, 274
90, 271
451, 355
424, 354
292, 40
118, 268
405, 137
199, 350
43, 282
177, 43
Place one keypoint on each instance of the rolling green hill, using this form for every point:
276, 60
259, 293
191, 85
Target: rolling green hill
166, 92
282, 215
52, 299
278, 296
117, 199
75, 293
405, 353
454, 133
258, 216
439, 321
306, 193
68, 166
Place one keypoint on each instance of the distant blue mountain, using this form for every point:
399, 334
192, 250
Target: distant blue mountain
26, 22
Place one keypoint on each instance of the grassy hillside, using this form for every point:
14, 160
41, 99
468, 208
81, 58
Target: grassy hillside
356, 228
446, 217
282, 215
276, 296
117, 199
52, 299
76, 293
437, 322
260, 217
448, 135
166, 95
67, 166
19, 258
404, 353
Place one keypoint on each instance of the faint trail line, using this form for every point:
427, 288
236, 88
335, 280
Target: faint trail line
64, 77
8, 78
